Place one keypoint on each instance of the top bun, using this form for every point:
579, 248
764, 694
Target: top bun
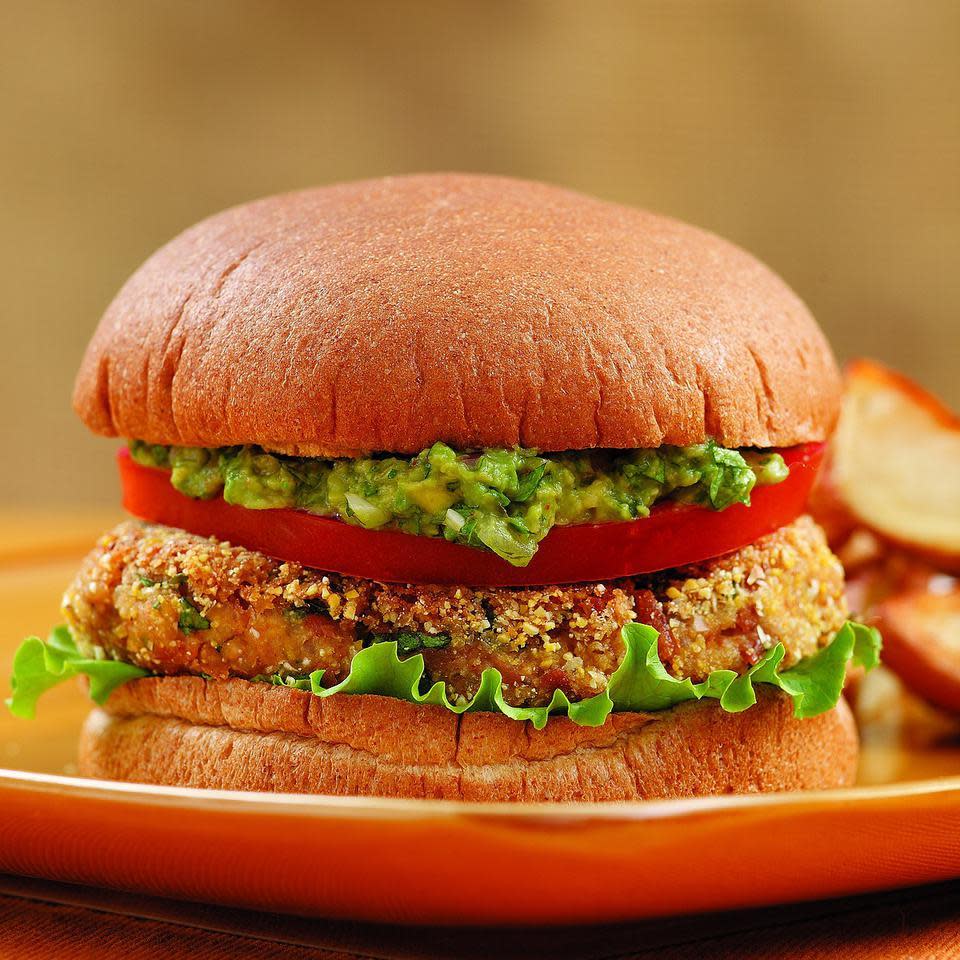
387, 314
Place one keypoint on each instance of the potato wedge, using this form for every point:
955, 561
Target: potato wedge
921, 642
896, 462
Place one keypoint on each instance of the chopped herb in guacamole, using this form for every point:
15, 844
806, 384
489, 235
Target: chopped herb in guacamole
500, 500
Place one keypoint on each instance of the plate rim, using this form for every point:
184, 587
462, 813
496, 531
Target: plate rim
324, 806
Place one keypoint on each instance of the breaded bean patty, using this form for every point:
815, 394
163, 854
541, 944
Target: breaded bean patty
175, 603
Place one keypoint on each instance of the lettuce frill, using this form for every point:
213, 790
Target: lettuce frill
640, 683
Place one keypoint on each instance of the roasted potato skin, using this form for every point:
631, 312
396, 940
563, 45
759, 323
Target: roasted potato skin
921, 642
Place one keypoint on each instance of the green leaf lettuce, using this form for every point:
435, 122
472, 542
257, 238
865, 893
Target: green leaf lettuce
640, 683
38, 666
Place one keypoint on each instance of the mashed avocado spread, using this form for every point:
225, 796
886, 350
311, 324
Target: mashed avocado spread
500, 500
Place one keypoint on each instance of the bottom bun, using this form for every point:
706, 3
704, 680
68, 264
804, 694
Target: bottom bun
238, 735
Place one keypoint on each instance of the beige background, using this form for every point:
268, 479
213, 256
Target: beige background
824, 136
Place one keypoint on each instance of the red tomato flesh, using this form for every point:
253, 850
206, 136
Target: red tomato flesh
673, 535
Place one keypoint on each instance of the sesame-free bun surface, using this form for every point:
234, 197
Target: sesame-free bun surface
238, 735
387, 314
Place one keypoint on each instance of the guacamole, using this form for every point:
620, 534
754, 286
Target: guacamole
500, 500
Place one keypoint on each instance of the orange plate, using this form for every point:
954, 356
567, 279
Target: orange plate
441, 862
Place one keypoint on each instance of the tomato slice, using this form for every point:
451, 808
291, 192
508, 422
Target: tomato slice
673, 535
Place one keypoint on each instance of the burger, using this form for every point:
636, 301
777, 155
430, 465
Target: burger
453, 486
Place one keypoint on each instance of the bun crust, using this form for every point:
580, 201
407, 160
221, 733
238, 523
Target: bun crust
239, 735
482, 311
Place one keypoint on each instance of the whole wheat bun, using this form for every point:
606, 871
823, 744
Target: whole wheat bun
239, 735
482, 311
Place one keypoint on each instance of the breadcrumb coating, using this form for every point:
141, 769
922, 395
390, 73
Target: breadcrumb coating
177, 603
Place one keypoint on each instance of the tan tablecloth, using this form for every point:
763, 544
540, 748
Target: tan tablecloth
45, 920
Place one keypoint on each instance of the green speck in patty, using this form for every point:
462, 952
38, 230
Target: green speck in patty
190, 619
410, 641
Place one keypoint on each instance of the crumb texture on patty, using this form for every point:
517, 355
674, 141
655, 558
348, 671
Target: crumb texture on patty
176, 603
